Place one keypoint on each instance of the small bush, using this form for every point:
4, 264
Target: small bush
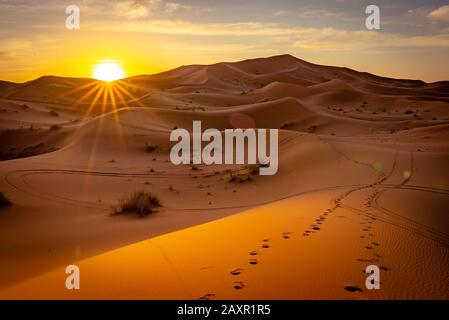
3, 201
151, 147
141, 203
55, 127
288, 124
239, 178
252, 168
53, 113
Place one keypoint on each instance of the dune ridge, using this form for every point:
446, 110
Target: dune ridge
362, 173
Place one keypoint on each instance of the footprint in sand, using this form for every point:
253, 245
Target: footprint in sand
383, 268
316, 228
286, 235
207, 296
238, 285
368, 260
265, 243
376, 244
368, 247
253, 261
254, 253
353, 288
236, 272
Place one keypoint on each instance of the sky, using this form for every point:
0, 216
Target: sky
149, 36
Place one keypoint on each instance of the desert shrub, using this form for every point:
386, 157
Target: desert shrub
151, 147
244, 174
55, 127
141, 203
53, 113
252, 168
4, 202
288, 124
239, 177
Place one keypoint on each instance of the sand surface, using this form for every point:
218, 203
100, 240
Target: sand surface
362, 180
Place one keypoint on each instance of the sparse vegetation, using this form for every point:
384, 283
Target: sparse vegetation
4, 202
233, 177
244, 174
53, 113
252, 168
151, 147
55, 127
141, 203
288, 124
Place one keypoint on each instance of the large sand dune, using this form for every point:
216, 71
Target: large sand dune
362, 180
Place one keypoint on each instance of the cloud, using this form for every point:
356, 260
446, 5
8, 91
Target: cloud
280, 13
180, 27
318, 13
309, 13
139, 9
441, 14
330, 39
173, 7
135, 9
5, 55
343, 40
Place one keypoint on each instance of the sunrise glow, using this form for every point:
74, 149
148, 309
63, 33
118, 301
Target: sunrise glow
108, 71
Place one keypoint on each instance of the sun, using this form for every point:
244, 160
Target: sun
108, 71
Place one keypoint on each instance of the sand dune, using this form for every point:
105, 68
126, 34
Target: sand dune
362, 180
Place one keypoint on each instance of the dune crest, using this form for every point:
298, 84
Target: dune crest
362, 180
